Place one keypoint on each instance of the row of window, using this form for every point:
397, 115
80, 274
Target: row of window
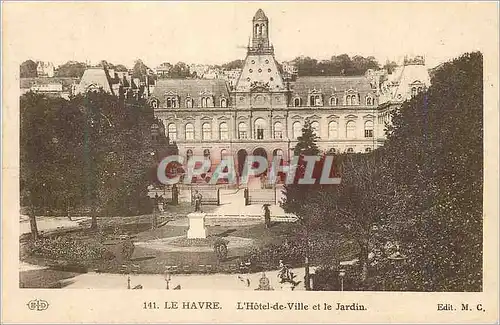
206, 101
276, 153
260, 127
349, 100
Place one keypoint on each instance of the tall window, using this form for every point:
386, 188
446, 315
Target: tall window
368, 129
348, 100
189, 131
172, 132
189, 103
223, 131
223, 102
296, 102
333, 130
296, 130
278, 130
206, 131
350, 130
242, 130
315, 128
223, 154
260, 126
369, 101
334, 101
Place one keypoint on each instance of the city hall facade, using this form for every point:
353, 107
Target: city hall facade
264, 112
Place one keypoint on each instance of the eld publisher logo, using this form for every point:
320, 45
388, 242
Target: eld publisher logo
38, 305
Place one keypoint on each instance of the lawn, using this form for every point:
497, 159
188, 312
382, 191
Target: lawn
102, 250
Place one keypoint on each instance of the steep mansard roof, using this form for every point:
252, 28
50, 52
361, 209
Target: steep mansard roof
193, 88
328, 86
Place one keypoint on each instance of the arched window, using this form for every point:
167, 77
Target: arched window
206, 153
368, 149
169, 102
334, 101
260, 126
369, 101
223, 131
278, 130
296, 130
206, 131
333, 130
189, 103
242, 130
419, 89
368, 129
189, 131
189, 154
223, 102
172, 132
413, 91
348, 100
350, 130
296, 102
154, 103
263, 29
350, 150
354, 100
223, 154
315, 128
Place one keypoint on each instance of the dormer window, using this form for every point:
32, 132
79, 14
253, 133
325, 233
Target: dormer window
369, 101
315, 100
334, 101
297, 102
351, 100
154, 103
223, 102
207, 101
172, 101
189, 103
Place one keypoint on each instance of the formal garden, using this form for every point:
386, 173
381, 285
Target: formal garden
407, 216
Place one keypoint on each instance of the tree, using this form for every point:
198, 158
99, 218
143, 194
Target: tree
140, 70
294, 193
436, 150
50, 140
236, 64
71, 69
180, 71
28, 69
390, 66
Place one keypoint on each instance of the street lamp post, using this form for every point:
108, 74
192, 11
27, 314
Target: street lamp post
168, 278
341, 275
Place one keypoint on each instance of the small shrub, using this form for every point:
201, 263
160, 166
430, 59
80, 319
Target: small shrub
67, 248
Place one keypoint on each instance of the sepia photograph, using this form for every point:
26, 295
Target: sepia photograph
252, 146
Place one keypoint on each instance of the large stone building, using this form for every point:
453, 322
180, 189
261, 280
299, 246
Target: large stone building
263, 113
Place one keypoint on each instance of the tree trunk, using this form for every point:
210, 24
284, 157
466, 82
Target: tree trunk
307, 276
93, 214
33, 226
363, 260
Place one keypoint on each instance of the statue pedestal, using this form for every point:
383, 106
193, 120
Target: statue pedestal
197, 227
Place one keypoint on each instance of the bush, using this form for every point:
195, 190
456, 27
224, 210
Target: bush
220, 248
66, 248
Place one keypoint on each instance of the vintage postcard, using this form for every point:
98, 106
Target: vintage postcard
244, 162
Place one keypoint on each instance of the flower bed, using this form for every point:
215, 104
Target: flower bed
67, 248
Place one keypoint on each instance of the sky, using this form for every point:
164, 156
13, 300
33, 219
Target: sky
216, 33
